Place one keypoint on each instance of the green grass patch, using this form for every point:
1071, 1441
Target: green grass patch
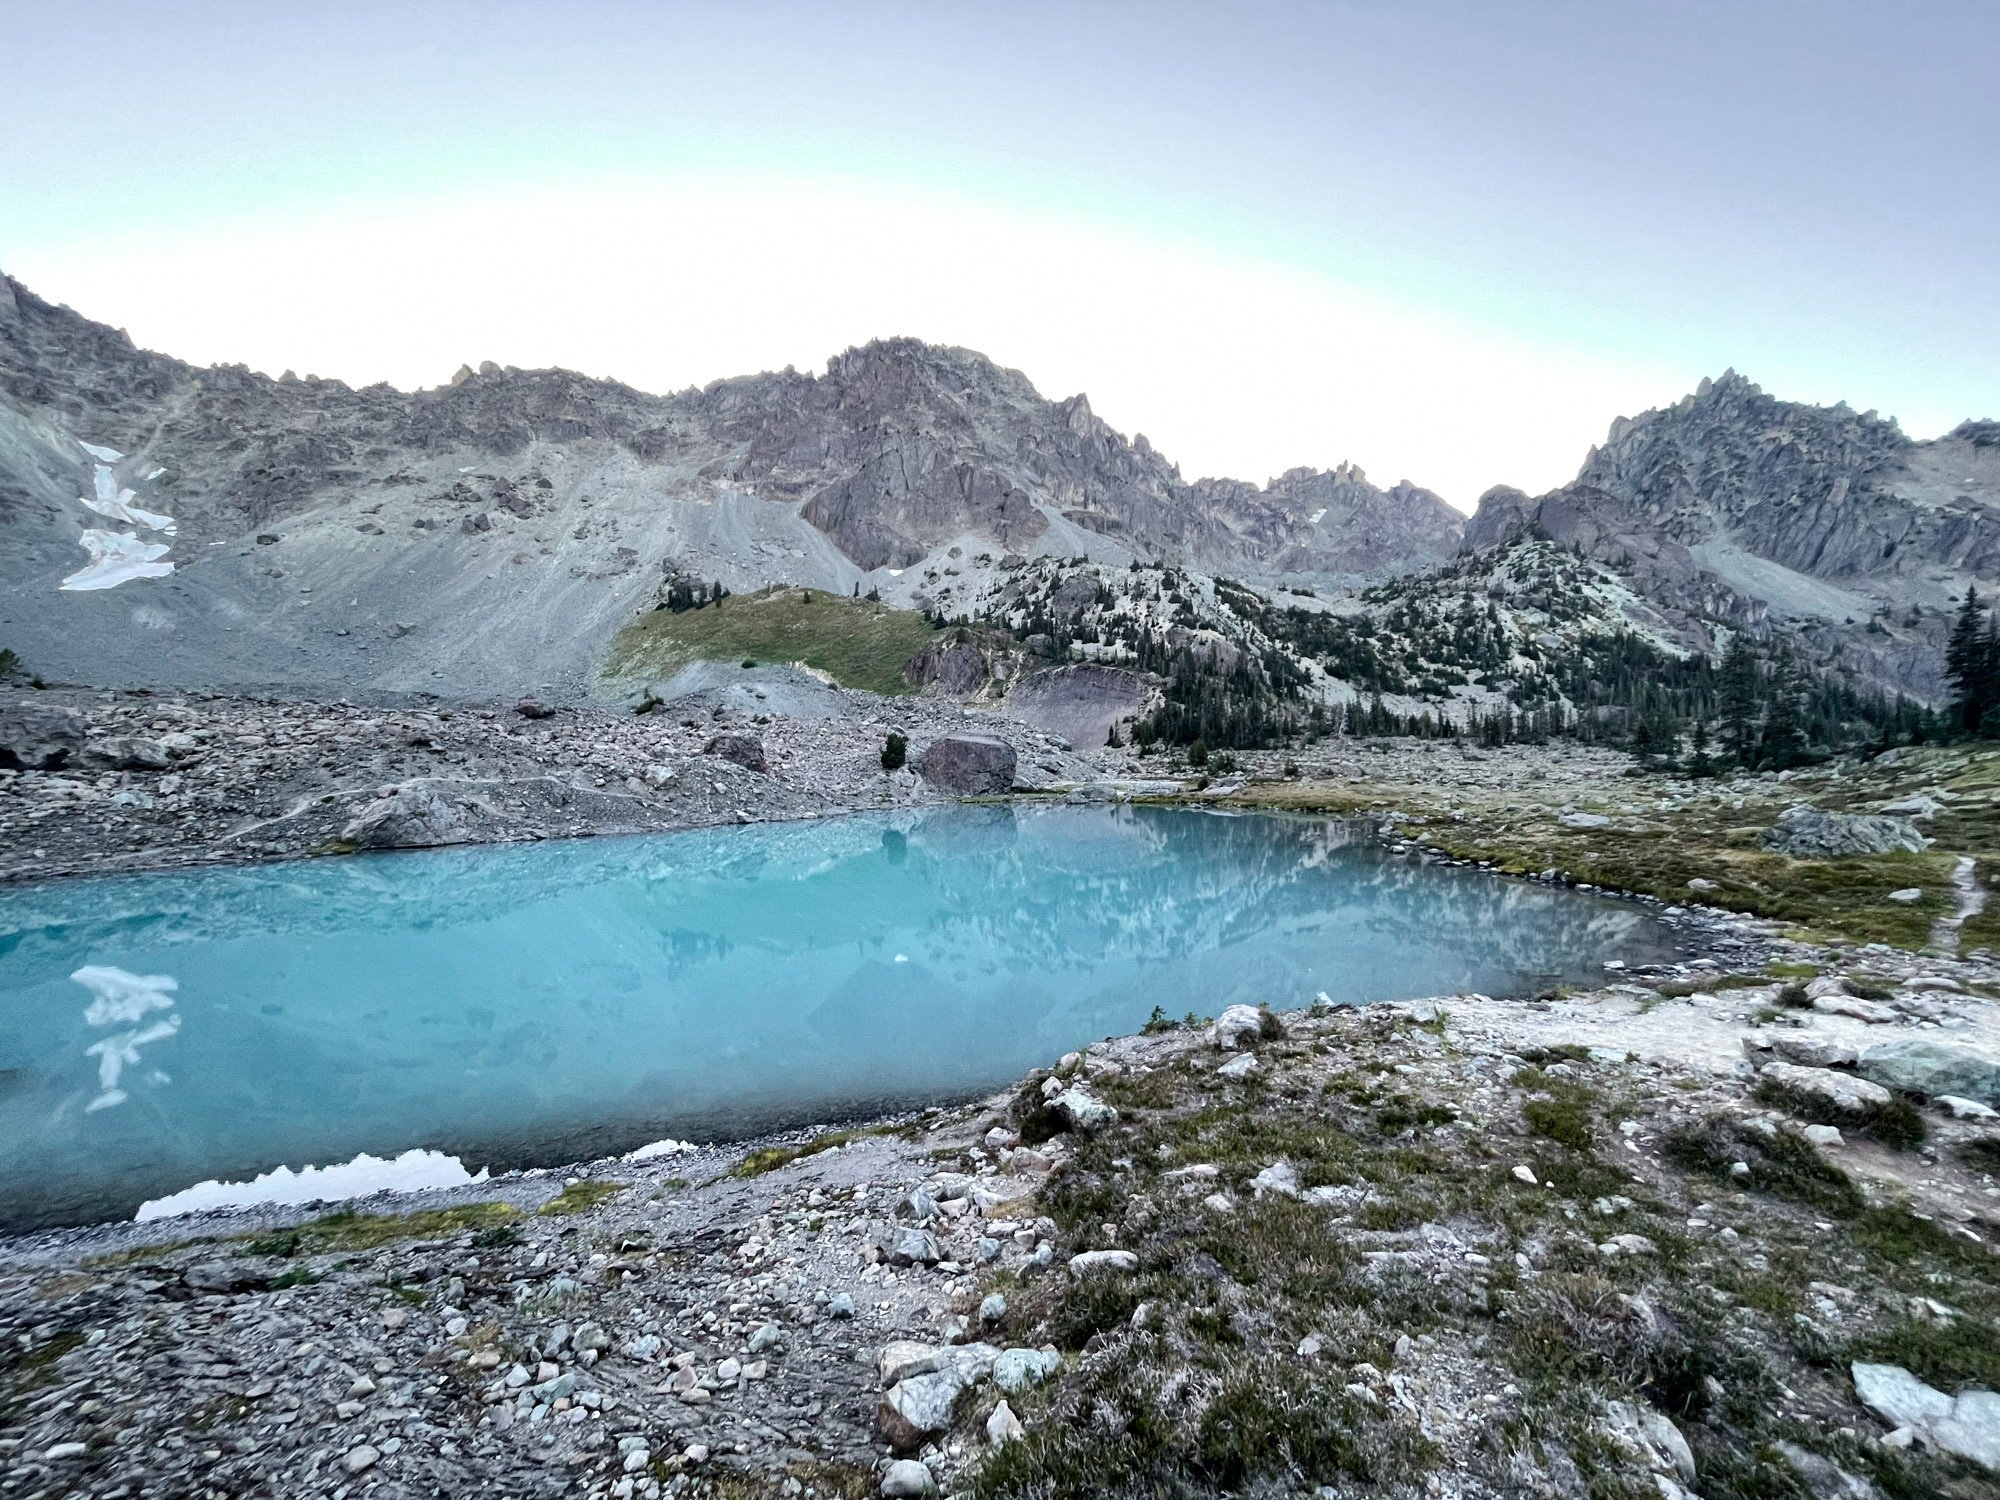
770, 1158
344, 1229
579, 1197
858, 643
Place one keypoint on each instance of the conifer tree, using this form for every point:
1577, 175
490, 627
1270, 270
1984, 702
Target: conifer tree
1740, 700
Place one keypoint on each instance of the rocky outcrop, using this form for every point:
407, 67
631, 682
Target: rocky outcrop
1774, 514
38, 739
1806, 832
971, 765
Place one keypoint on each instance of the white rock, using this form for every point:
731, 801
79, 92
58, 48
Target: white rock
1279, 1179
906, 1478
1908, 895
1238, 1067
1824, 1135
1089, 1262
1968, 1426
1003, 1426
1234, 1024
1966, 1109
1525, 1174
361, 1457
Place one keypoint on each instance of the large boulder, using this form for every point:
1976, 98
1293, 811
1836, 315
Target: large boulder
1807, 833
972, 765
917, 1409
744, 750
410, 817
1933, 1068
38, 739
1967, 1425
1842, 1092
127, 752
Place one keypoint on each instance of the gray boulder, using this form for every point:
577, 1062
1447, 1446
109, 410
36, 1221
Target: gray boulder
744, 750
914, 1410
1839, 1091
1967, 1426
1807, 833
1933, 1068
1017, 1370
1083, 1111
38, 739
127, 752
410, 817
971, 765
902, 1245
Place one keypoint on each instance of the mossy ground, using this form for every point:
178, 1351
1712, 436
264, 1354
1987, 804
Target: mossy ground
1656, 851
1186, 1378
858, 643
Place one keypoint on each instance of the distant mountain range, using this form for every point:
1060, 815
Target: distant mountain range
491, 536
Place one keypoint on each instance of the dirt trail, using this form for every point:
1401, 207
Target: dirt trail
1969, 902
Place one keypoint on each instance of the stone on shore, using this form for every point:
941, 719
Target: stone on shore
971, 765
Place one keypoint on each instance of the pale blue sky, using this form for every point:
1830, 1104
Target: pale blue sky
1351, 226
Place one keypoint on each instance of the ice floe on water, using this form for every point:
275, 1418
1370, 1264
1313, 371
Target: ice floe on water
121, 998
654, 1150
412, 1172
118, 556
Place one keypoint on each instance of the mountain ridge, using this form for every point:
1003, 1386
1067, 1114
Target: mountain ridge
493, 533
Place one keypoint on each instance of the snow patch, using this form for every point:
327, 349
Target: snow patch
117, 557
413, 1172
117, 504
654, 1150
1316, 517
102, 455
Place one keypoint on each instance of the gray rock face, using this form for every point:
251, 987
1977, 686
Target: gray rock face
972, 765
744, 750
1806, 832
1934, 1068
38, 739
411, 817
1771, 513
1082, 702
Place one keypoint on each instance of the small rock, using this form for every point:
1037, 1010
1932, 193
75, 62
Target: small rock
1090, 1262
361, 1457
1083, 1111
906, 1479
993, 1309
1003, 1426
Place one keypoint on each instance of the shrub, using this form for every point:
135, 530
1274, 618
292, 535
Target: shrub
1197, 753
895, 750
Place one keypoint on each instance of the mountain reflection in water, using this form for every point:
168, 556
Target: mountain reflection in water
545, 1003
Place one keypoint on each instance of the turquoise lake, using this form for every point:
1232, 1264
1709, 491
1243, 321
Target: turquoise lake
548, 1003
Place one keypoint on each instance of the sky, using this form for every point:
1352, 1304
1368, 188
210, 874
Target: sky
1447, 241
